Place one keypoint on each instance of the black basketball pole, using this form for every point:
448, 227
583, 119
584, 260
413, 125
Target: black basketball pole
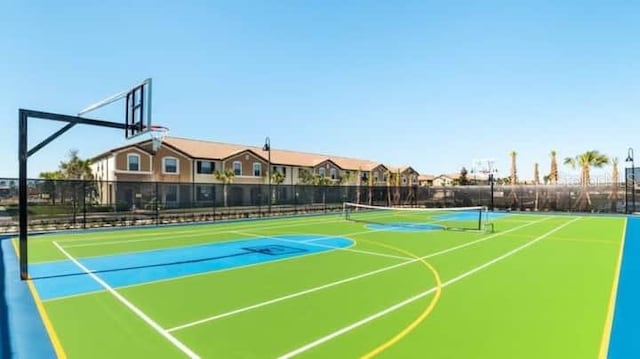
22, 192
23, 155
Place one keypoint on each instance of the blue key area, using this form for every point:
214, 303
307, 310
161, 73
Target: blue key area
64, 278
625, 332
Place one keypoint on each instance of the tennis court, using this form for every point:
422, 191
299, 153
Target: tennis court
536, 286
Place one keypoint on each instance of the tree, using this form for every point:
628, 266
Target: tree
49, 185
276, 178
346, 179
226, 177
75, 167
514, 170
463, 180
615, 179
553, 172
585, 161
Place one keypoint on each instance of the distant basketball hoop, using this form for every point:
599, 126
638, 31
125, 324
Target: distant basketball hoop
158, 133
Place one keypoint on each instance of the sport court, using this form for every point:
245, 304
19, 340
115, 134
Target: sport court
348, 285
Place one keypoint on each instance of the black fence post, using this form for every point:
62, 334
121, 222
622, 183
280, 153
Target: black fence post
84, 204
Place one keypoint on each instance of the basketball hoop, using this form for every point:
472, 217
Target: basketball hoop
158, 133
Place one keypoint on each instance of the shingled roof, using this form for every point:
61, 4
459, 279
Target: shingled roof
219, 151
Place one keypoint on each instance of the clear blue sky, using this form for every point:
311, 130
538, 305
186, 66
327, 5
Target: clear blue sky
433, 84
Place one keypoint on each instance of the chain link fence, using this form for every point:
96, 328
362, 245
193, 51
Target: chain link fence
66, 204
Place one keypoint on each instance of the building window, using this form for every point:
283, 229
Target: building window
237, 168
170, 165
205, 167
384, 177
375, 176
404, 179
282, 170
133, 162
322, 172
257, 169
333, 173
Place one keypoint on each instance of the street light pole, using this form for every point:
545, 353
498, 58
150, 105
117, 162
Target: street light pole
633, 178
267, 147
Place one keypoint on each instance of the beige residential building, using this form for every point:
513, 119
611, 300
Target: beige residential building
189, 161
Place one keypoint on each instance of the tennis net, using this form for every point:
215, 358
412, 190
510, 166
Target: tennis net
417, 219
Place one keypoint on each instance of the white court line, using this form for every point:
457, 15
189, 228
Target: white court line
346, 280
347, 249
399, 305
180, 234
205, 273
132, 307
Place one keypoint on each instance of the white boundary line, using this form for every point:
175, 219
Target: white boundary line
346, 280
132, 307
172, 235
410, 300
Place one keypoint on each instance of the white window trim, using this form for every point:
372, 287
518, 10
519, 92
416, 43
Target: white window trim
253, 172
333, 173
177, 172
139, 162
233, 167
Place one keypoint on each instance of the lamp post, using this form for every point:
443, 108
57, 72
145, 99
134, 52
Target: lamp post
633, 178
267, 147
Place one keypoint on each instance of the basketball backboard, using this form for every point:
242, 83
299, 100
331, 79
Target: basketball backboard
137, 108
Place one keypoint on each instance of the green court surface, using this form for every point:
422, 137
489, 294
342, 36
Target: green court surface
539, 286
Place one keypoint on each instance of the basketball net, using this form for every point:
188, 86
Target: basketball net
158, 133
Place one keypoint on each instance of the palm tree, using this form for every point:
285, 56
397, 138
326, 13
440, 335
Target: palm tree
585, 161
370, 188
76, 168
345, 180
550, 202
396, 193
50, 183
226, 177
387, 175
615, 178
514, 170
553, 173
276, 178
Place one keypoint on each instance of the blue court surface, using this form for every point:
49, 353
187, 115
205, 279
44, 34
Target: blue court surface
65, 278
625, 333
